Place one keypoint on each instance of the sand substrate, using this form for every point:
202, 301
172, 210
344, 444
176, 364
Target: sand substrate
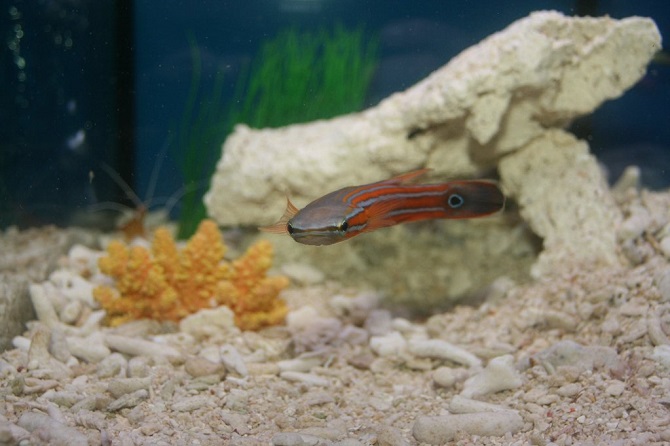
580, 356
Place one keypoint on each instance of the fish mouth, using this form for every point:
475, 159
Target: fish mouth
315, 238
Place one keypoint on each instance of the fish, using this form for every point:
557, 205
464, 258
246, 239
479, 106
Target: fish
354, 210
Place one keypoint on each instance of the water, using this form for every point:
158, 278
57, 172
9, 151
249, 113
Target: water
87, 83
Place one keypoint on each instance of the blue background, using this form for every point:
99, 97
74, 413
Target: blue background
46, 170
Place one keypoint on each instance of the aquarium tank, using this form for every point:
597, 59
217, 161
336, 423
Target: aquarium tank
95, 93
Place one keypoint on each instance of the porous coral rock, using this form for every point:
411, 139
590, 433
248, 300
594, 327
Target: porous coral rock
171, 284
514, 90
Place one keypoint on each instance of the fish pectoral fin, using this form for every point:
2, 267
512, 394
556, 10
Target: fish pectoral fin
378, 216
280, 226
406, 177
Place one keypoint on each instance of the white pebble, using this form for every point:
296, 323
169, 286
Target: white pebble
665, 246
90, 349
633, 226
439, 349
191, 403
51, 431
139, 366
113, 365
309, 330
71, 311
73, 286
305, 378
662, 282
615, 388
303, 363
44, 308
448, 377
296, 439
58, 346
21, 343
141, 347
498, 375
378, 322
209, 322
232, 360
84, 258
128, 400
569, 390
303, 273
570, 353
442, 429
123, 386
392, 344
355, 309
92, 323
661, 354
459, 404
197, 366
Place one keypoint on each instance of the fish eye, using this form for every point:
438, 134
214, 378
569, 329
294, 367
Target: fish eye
289, 228
455, 201
343, 226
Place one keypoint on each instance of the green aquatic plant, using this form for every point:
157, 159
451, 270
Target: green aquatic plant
296, 77
302, 76
204, 123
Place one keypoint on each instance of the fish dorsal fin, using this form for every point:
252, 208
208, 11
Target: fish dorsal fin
279, 227
406, 177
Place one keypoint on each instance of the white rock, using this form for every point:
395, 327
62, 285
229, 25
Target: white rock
58, 346
392, 344
305, 378
192, 403
442, 429
378, 322
122, 386
84, 259
44, 308
499, 374
304, 363
21, 342
573, 354
665, 246
128, 400
302, 273
459, 404
73, 286
296, 439
11, 433
141, 347
197, 366
113, 365
71, 311
662, 282
556, 56
482, 97
309, 330
90, 349
355, 308
448, 377
91, 324
210, 322
233, 361
440, 349
51, 431
661, 354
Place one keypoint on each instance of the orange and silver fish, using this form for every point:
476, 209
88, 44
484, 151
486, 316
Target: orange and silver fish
353, 210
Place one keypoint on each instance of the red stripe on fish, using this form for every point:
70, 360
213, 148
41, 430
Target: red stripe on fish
347, 212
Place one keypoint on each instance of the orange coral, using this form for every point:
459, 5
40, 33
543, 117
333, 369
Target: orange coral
172, 284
